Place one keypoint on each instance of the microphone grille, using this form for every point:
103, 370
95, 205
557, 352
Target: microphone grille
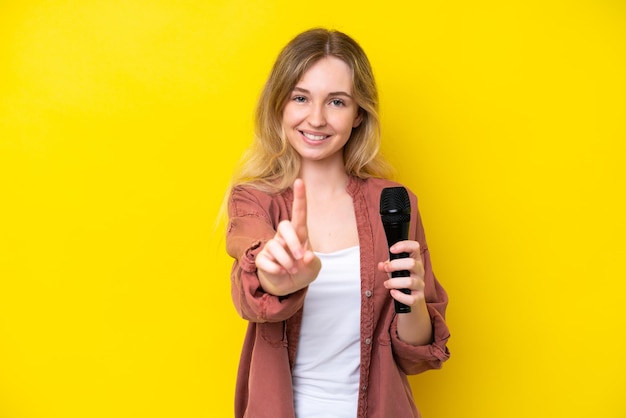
394, 201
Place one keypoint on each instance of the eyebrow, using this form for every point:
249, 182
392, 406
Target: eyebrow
332, 93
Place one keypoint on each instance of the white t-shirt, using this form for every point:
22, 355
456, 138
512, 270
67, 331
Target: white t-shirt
326, 371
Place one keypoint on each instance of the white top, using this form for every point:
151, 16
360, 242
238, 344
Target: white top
326, 372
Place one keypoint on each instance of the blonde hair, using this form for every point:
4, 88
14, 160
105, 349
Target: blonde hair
270, 163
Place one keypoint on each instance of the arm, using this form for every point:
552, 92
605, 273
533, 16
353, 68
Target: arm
419, 338
252, 219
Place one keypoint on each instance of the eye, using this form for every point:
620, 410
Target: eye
337, 102
299, 99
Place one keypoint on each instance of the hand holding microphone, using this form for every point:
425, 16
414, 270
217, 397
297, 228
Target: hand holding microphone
405, 263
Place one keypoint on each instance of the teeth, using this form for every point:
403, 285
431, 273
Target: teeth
314, 137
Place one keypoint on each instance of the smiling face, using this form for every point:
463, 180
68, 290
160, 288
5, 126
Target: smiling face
321, 112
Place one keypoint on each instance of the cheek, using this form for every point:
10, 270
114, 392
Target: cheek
346, 123
292, 114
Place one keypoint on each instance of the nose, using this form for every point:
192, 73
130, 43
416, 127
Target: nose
317, 116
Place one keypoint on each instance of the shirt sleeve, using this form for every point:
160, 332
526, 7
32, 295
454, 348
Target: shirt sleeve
250, 227
416, 359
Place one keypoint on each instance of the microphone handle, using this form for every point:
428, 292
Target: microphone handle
399, 306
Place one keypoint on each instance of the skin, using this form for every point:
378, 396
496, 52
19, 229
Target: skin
318, 120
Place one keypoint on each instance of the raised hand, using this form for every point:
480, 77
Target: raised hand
287, 263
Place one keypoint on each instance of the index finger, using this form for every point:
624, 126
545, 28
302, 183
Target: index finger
298, 211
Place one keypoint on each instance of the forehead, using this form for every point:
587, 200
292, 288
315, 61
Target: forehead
328, 74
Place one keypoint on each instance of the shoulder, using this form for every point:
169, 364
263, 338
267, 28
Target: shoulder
374, 187
248, 200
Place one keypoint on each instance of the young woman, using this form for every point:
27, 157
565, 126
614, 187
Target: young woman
311, 272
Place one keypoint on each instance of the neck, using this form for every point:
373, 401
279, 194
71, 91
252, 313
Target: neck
324, 180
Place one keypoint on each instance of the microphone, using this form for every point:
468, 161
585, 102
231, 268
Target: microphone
395, 212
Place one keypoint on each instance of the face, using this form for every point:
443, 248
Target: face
320, 113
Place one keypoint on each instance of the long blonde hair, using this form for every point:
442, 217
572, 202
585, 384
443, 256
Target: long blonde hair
270, 163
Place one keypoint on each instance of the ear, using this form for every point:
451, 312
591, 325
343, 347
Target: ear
358, 118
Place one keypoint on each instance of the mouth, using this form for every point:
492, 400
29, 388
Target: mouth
313, 137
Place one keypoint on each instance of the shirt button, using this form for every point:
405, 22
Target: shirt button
368, 341
368, 293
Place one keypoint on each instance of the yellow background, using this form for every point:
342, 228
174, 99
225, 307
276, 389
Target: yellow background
121, 121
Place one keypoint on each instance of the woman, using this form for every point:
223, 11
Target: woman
311, 269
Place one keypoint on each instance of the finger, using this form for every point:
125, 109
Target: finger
403, 297
276, 253
267, 264
404, 283
414, 262
298, 211
406, 246
414, 266
287, 233
399, 264
308, 257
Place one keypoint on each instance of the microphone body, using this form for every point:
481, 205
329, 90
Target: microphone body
395, 213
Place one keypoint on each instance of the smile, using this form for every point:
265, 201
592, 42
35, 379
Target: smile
313, 137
